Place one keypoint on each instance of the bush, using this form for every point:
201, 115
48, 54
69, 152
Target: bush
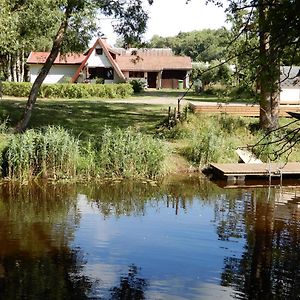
242, 91
216, 90
206, 146
68, 90
211, 138
16, 89
138, 85
99, 80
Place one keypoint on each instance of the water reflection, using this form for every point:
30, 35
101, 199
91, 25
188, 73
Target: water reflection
183, 239
269, 267
37, 224
131, 286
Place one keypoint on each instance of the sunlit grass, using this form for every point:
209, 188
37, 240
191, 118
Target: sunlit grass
86, 118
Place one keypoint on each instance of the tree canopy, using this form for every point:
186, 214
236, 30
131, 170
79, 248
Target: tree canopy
202, 45
266, 35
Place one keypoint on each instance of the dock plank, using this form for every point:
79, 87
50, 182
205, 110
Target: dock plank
263, 169
245, 110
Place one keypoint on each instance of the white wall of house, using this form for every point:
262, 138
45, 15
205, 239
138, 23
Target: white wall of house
290, 96
57, 72
96, 60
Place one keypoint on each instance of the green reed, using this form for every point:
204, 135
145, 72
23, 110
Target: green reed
213, 138
50, 153
126, 153
53, 153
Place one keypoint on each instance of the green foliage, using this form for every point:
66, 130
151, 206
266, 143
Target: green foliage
137, 85
211, 73
205, 147
126, 153
242, 92
3, 139
214, 139
22, 89
99, 80
3, 126
16, 89
204, 45
51, 153
211, 138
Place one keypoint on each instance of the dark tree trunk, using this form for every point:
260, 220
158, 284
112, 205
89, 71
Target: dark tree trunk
57, 42
268, 73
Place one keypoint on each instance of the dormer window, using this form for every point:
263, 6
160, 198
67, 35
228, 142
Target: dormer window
99, 51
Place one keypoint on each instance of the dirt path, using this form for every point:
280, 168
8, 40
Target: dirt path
155, 101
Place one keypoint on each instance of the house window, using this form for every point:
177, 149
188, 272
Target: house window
99, 51
136, 74
110, 74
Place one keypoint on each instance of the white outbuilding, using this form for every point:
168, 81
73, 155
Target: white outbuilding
290, 85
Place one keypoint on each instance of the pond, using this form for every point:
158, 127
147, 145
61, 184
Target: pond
185, 238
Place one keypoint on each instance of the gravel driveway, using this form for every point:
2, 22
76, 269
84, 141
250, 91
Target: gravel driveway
150, 100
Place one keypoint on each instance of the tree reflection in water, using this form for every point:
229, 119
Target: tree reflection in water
38, 224
132, 286
270, 265
50, 276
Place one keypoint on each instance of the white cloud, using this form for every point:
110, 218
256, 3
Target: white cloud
169, 17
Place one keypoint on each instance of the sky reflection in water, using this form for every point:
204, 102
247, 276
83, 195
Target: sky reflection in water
186, 239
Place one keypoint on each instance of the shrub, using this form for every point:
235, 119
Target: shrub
3, 126
99, 80
68, 90
205, 147
124, 90
242, 92
138, 85
16, 89
54, 154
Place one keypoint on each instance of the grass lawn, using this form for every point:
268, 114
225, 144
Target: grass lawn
190, 96
200, 140
86, 117
154, 93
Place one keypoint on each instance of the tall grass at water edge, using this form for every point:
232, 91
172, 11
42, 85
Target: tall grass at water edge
208, 139
216, 138
126, 153
54, 153
49, 153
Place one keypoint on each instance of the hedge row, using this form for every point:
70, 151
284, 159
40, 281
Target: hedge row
68, 90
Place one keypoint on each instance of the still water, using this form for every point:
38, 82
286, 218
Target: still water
186, 238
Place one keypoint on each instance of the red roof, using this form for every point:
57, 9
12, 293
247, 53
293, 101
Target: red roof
146, 60
102, 43
67, 59
153, 63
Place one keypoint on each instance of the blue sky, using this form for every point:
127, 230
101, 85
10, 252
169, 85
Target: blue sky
169, 17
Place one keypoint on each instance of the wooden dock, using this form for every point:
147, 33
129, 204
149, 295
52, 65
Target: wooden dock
239, 171
243, 110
